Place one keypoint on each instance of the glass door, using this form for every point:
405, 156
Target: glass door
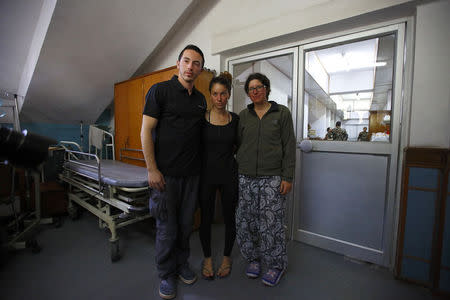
349, 109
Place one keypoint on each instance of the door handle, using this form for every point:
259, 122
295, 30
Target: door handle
305, 146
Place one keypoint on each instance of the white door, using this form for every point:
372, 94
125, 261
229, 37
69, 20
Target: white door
344, 189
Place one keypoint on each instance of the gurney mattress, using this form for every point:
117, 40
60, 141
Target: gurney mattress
113, 172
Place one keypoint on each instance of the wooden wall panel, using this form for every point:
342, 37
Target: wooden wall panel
376, 121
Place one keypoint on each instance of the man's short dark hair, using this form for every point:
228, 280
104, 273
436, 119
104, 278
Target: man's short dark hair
196, 49
338, 124
261, 77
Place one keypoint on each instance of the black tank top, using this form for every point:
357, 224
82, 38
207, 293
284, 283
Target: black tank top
219, 145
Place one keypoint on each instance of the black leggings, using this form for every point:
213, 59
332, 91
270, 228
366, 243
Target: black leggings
207, 202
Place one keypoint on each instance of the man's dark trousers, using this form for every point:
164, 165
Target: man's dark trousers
174, 223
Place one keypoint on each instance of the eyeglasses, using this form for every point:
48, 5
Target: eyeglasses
257, 88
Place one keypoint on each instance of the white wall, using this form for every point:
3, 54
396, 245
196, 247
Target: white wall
239, 23
306, 110
317, 117
229, 24
23, 26
197, 30
36, 44
317, 71
430, 109
280, 84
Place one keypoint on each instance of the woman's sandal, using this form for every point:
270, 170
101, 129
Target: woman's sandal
207, 269
225, 268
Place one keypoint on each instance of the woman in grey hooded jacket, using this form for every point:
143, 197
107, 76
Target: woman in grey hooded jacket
266, 159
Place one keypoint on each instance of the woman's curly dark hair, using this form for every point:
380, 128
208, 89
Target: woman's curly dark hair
224, 79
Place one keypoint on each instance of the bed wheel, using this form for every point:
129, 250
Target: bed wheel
57, 222
33, 244
74, 212
20, 225
115, 252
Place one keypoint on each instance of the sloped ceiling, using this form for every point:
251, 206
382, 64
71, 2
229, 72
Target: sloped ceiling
89, 46
17, 24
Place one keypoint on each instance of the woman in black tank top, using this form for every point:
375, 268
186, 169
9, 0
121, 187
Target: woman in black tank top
219, 172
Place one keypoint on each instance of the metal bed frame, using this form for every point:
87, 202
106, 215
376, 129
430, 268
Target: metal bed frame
115, 205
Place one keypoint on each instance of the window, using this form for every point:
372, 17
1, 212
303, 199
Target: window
279, 70
351, 85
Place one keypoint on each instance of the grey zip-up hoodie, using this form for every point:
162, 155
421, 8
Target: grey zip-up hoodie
266, 145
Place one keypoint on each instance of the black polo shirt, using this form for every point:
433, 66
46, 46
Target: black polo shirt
178, 132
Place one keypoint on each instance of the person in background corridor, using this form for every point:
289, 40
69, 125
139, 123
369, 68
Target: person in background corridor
364, 136
339, 134
328, 135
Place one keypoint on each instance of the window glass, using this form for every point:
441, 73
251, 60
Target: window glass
6, 116
279, 71
348, 91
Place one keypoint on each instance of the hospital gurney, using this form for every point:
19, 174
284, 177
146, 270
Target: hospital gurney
117, 193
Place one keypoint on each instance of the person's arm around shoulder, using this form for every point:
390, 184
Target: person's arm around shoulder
240, 127
155, 177
235, 119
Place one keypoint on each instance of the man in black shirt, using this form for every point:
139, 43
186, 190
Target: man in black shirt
174, 111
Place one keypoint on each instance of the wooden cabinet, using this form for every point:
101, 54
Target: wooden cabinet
129, 100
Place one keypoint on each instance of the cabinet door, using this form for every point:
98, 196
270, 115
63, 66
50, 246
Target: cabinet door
135, 107
120, 117
156, 77
202, 84
128, 108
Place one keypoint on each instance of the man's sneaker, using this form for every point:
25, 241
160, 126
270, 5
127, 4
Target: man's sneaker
272, 277
168, 288
187, 275
253, 269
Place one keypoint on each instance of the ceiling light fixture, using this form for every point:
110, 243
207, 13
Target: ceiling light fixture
348, 61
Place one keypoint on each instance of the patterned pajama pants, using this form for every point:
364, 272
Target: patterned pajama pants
260, 221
